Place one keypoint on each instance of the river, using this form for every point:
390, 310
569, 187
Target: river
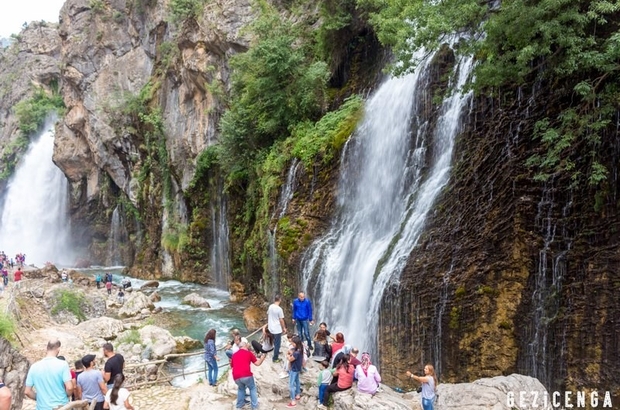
189, 321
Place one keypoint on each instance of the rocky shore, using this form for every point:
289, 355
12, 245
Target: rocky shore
133, 329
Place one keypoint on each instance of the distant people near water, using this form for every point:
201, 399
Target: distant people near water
64, 276
367, 375
302, 317
429, 386
5, 396
276, 325
108, 286
211, 358
5, 276
265, 344
49, 380
17, 276
98, 281
117, 397
120, 296
113, 366
233, 344
242, 374
126, 283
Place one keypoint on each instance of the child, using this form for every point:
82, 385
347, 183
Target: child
295, 358
325, 379
121, 296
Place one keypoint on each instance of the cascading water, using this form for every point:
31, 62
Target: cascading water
220, 255
280, 211
541, 360
395, 167
34, 217
116, 237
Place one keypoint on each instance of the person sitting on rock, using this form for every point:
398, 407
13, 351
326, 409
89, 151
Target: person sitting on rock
343, 377
233, 345
346, 350
265, 344
367, 375
338, 343
321, 344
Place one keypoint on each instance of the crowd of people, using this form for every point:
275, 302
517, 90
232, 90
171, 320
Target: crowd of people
52, 383
341, 365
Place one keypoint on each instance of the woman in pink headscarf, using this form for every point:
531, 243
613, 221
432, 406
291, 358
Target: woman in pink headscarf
368, 377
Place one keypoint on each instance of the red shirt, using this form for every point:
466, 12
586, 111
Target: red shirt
241, 362
17, 276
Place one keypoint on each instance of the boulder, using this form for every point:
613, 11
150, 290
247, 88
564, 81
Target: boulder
492, 393
186, 344
237, 291
385, 399
13, 369
159, 340
102, 327
134, 305
254, 317
150, 284
195, 300
155, 297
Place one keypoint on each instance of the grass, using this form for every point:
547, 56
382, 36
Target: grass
71, 302
7, 328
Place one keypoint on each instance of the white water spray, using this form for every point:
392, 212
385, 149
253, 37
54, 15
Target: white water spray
34, 217
396, 166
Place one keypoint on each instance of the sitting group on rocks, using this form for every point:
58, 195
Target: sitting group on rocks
340, 366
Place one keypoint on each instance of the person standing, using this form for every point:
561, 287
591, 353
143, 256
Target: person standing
91, 386
118, 397
295, 358
114, 365
429, 386
5, 396
276, 325
51, 378
211, 356
242, 374
98, 280
302, 315
17, 276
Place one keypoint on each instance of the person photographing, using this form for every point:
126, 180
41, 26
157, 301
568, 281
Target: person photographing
429, 386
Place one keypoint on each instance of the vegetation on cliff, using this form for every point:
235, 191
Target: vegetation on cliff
571, 44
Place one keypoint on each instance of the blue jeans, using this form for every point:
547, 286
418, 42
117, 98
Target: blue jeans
322, 389
427, 404
293, 384
304, 329
242, 384
277, 341
212, 376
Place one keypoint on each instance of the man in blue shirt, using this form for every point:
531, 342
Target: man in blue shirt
51, 379
302, 314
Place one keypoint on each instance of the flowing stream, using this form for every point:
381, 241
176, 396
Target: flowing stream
34, 216
394, 168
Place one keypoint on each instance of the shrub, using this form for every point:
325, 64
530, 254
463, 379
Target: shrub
70, 301
31, 113
7, 327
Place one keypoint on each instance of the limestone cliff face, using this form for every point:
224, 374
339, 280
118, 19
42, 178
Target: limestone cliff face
110, 55
31, 61
511, 275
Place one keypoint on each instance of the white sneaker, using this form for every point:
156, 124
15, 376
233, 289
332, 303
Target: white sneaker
283, 375
321, 406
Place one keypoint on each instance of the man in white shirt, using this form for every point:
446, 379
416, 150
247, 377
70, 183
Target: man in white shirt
276, 325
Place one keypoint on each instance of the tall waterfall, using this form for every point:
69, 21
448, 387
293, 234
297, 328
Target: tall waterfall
34, 217
220, 255
116, 238
394, 168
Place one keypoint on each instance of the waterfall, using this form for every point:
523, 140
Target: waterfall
116, 236
396, 165
273, 280
544, 359
34, 217
220, 255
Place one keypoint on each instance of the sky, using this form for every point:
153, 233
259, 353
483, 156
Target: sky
13, 13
